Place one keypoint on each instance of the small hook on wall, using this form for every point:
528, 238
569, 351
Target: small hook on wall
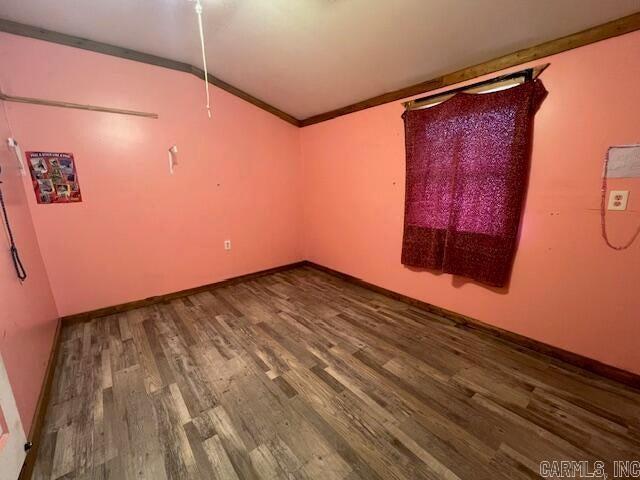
173, 158
13, 144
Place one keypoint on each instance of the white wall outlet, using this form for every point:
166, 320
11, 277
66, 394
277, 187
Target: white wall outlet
227, 244
618, 199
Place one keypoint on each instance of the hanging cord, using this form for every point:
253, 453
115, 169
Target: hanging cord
15, 256
603, 211
6, 114
204, 57
11, 140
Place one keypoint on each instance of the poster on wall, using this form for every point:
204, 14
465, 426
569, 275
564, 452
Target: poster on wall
54, 177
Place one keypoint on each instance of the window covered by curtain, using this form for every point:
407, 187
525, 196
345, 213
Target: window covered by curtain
467, 170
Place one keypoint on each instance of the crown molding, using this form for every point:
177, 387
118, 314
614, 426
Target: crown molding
107, 49
604, 31
614, 28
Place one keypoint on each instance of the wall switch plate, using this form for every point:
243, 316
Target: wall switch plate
227, 244
618, 199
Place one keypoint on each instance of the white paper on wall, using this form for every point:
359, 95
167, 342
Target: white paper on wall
624, 161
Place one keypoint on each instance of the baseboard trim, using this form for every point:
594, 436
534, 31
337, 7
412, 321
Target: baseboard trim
123, 307
585, 363
35, 432
589, 364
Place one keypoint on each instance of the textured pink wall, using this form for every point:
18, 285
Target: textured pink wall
28, 314
568, 289
140, 231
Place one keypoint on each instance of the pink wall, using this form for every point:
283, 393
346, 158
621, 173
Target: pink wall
139, 231
332, 193
28, 314
568, 289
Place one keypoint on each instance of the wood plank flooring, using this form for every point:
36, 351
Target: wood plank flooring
300, 375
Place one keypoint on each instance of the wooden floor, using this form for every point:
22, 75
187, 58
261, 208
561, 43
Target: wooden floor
299, 375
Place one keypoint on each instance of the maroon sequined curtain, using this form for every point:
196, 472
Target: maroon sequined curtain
467, 170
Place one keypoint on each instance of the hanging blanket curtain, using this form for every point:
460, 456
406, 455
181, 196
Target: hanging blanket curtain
467, 171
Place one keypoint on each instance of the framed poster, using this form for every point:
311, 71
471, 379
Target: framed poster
54, 177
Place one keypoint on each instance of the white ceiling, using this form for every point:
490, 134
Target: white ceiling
310, 56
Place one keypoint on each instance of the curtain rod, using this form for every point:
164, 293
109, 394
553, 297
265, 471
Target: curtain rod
528, 73
78, 106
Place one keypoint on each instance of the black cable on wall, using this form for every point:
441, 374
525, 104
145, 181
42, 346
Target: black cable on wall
15, 255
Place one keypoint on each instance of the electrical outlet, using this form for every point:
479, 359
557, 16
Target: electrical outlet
227, 244
618, 199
